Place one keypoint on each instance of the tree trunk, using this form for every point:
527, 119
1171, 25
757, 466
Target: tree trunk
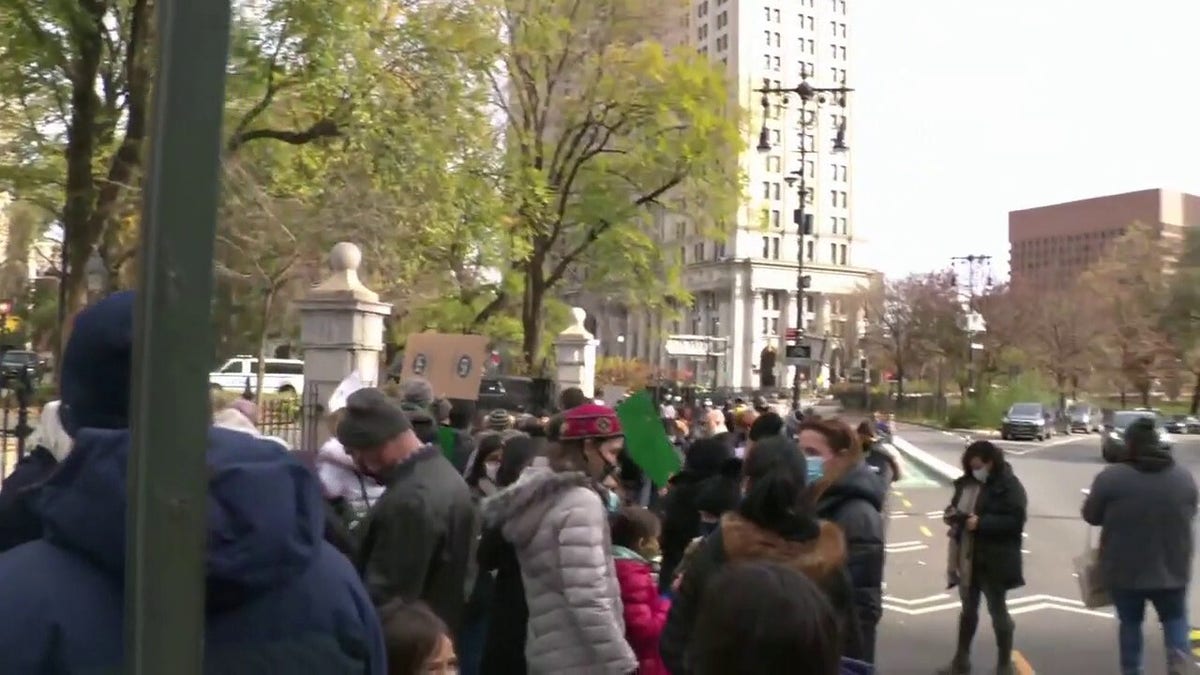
1144, 394
1195, 407
1061, 382
1124, 397
265, 316
531, 314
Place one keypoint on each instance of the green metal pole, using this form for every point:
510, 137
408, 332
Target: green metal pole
170, 411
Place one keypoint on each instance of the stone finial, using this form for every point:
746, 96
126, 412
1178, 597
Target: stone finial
343, 280
577, 330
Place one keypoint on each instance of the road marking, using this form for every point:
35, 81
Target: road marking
907, 504
1031, 447
908, 549
903, 544
1021, 605
925, 531
1021, 664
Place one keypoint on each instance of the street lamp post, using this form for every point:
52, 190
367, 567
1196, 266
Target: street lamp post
811, 98
973, 263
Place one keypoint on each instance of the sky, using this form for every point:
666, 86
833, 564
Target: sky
965, 110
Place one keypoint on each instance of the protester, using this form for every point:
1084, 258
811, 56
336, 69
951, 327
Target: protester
986, 518
743, 419
882, 462
349, 491
766, 425
508, 615
265, 555
768, 619
499, 421
481, 474
463, 447
635, 546
572, 397
556, 519
712, 425
773, 523
680, 513
19, 522
419, 537
1145, 507
848, 493
417, 640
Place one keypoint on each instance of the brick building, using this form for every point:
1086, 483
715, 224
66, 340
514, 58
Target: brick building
1053, 245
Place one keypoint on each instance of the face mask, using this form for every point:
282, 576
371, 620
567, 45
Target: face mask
614, 502
490, 470
816, 468
980, 475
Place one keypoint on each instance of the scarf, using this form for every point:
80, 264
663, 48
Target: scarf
962, 542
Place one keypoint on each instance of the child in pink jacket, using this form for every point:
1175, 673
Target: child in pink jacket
635, 544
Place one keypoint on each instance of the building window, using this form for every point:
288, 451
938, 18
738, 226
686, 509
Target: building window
702, 9
766, 189
842, 52
775, 245
722, 20
833, 223
833, 253
833, 195
766, 252
720, 250
810, 303
842, 254
767, 62
698, 252
773, 163
808, 251
775, 218
777, 65
702, 32
845, 203
774, 326
768, 11
714, 326
775, 191
683, 255
778, 43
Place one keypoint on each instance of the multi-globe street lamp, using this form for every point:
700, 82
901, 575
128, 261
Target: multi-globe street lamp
973, 265
811, 99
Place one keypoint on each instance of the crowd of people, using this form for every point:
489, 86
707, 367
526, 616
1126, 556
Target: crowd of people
528, 545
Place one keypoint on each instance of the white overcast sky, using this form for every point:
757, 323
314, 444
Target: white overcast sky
967, 109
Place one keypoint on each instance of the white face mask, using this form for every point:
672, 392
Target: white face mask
980, 475
490, 471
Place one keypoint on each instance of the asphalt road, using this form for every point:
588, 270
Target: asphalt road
1055, 633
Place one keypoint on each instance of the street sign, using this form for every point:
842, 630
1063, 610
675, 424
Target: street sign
798, 352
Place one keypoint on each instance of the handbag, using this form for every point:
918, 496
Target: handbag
1093, 589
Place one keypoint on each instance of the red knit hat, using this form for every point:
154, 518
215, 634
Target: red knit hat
590, 421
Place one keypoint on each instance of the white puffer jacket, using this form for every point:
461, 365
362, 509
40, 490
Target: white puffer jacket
559, 528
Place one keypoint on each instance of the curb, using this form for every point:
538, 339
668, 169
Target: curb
973, 433
943, 470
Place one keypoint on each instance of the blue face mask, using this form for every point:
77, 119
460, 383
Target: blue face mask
614, 502
816, 468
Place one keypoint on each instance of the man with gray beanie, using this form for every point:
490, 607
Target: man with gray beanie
418, 538
428, 413
1144, 507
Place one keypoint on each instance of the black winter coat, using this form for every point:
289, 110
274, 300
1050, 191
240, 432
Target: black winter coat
504, 647
854, 504
419, 538
19, 522
680, 522
1001, 509
736, 540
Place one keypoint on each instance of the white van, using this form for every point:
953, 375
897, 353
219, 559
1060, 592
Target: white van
283, 376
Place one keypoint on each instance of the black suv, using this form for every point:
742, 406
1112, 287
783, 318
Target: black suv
1026, 421
1112, 443
16, 361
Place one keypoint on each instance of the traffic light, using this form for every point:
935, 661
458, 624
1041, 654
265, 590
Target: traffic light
805, 219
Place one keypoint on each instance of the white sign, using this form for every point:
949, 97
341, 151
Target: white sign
352, 383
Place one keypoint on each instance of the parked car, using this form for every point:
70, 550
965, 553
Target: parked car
16, 361
1183, 424
283, 376
1112, 442
1026, 421
1084, 418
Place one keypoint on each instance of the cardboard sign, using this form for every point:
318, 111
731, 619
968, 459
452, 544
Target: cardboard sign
453, 364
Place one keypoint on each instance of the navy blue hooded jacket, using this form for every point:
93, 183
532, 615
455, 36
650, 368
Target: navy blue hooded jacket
280, 599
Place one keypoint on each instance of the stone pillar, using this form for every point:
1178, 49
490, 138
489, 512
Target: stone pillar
575, 354
341, 331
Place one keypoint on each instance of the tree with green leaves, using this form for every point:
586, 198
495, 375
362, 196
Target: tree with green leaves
914, 322
605, 130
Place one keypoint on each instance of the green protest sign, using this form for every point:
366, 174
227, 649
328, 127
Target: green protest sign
646, 440
446, 441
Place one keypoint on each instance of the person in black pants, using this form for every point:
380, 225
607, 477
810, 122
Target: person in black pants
986, 518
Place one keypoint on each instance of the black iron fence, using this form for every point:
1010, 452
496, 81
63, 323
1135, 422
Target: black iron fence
17, 416
293, 419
